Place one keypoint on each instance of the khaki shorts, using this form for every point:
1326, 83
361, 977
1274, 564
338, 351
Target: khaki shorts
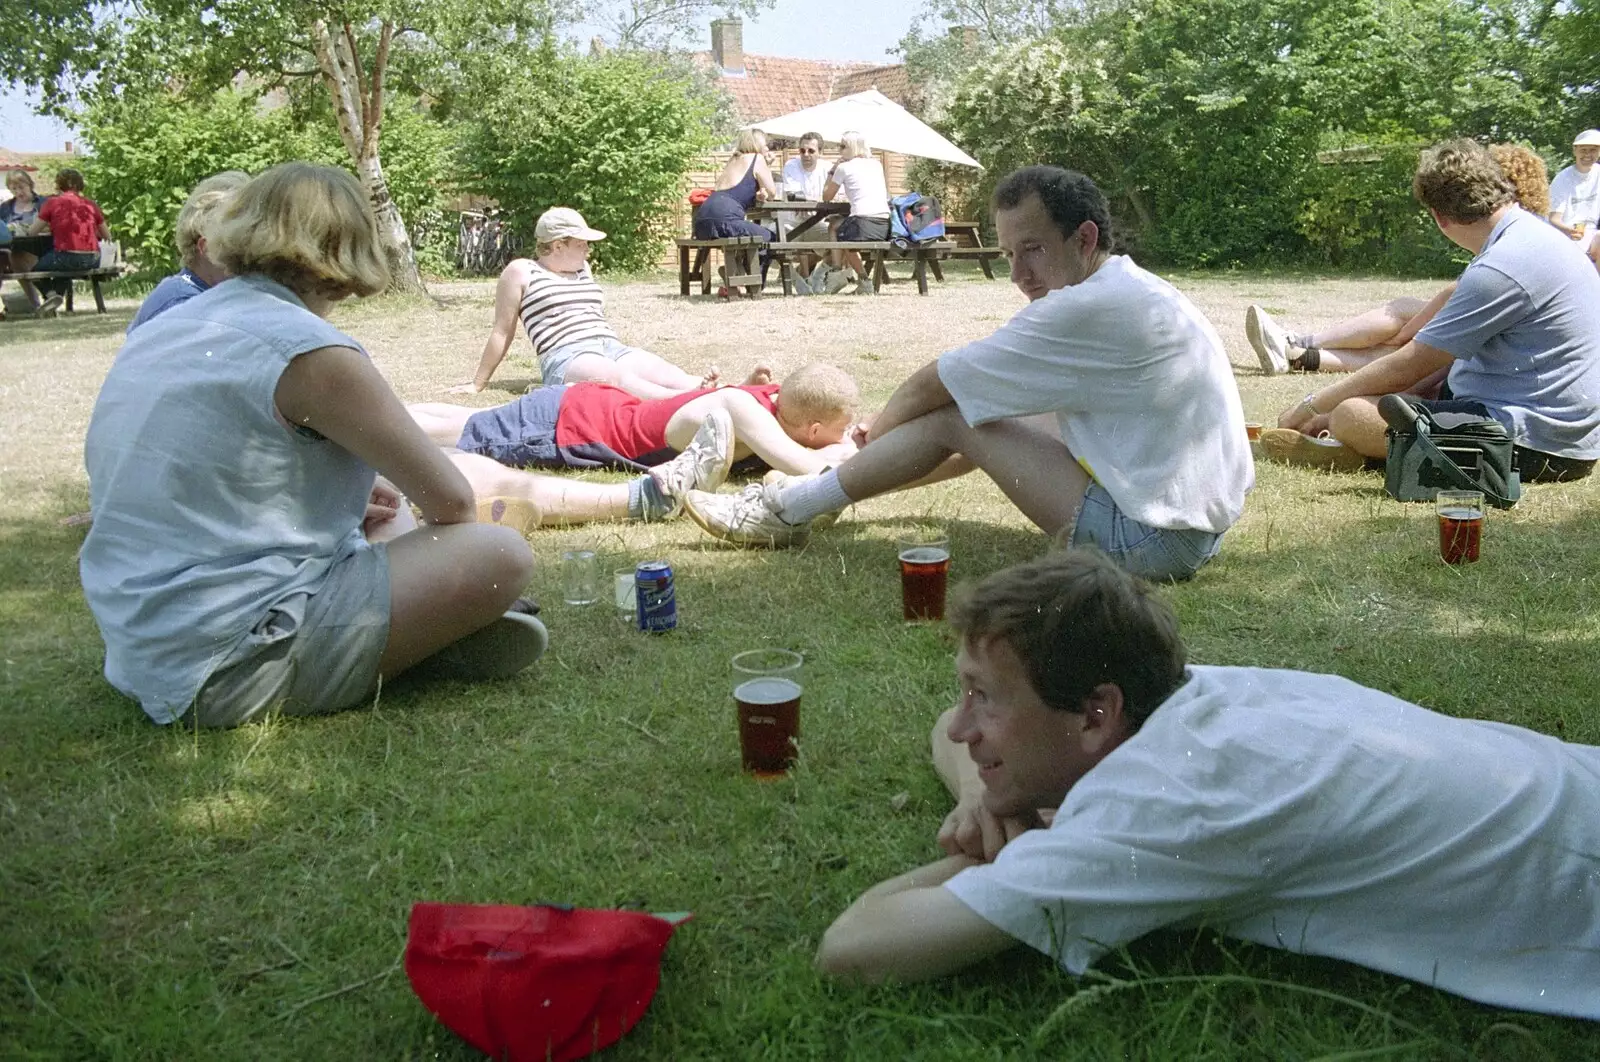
326, 661
821, 232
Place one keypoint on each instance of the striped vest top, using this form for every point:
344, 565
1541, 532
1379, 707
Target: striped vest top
557, 310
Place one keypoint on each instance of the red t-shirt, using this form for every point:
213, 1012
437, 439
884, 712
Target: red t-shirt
74, 222
633, 427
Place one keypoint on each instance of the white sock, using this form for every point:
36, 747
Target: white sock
810, 498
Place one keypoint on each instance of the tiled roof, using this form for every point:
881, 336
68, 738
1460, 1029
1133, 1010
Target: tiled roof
772, 85
892, 81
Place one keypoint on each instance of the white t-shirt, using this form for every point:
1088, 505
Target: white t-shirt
1577, 196
1140, 384
1308, 813
806, 185
864, 186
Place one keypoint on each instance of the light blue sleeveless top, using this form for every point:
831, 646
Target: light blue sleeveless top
209, 511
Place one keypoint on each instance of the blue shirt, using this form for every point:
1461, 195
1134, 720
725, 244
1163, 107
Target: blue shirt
1524, 328
179, 287
209, 509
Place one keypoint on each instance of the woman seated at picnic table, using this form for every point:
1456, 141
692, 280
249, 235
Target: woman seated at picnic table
18, 214
248, 554
563, 311
745, 180
76, 228
861, 178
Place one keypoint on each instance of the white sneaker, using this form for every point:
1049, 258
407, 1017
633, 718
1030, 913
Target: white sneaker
802, 284
704, 463
837, 281
50, 307
1267, 337
749, 518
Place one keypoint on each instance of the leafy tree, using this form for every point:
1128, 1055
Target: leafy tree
610, 136
126, 49
1204, 119
659, 24
147, 152
146, 155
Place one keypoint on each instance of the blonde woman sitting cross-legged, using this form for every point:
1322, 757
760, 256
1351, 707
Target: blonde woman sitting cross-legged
246, 556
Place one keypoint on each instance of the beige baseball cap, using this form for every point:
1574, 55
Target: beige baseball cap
1587, 138
559, 223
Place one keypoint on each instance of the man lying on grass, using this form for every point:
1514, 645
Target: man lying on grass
798, 426
1105, 409
1107, 790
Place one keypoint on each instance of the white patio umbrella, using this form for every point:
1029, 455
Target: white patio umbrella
886, 125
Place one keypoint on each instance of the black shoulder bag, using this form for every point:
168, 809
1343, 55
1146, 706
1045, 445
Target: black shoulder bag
1430, 452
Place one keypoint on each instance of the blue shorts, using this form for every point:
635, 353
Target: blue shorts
522, 434
553, 366
1150, 552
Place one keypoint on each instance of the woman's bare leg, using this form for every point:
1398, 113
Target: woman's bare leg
559, 500
597, 368
447, 581
443, 422
1374, 328
1350, 360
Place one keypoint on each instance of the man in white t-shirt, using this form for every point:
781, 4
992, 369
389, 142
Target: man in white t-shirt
1105, 409
1575, 193
805, 177
1293, 810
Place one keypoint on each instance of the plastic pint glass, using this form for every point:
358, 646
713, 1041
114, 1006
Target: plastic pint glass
766, 691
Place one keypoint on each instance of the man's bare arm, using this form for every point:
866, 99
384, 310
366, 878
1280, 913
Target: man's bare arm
1388, 375
922, 392
910, 928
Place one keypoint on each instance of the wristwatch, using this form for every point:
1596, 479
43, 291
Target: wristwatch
1309, 401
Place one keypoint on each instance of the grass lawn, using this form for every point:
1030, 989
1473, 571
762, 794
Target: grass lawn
244, 894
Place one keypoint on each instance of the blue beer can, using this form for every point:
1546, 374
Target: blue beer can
657, 600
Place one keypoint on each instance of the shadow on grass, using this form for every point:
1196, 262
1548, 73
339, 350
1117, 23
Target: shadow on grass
22, 327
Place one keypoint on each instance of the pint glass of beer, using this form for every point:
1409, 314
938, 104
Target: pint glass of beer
1460, 525
766, 692
924, 571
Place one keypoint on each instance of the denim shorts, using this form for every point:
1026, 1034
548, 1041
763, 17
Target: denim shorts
326, 661
1151, 552
553, 366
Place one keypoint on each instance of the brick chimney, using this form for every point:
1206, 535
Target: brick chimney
967, 36
727, 45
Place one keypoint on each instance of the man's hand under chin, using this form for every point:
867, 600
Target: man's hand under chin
973, 830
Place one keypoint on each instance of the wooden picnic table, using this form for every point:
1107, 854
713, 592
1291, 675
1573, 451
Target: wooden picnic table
795, 217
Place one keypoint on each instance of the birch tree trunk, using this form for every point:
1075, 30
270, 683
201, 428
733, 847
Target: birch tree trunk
358, 103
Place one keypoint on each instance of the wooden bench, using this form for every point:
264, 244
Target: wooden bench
875, 254
740, 259
967, 241
95, 277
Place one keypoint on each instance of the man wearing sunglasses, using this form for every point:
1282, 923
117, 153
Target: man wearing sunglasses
804, 177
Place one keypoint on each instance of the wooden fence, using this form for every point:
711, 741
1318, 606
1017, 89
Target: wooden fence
703, 172
484, 246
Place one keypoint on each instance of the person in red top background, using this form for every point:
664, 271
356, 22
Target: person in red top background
76, 228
